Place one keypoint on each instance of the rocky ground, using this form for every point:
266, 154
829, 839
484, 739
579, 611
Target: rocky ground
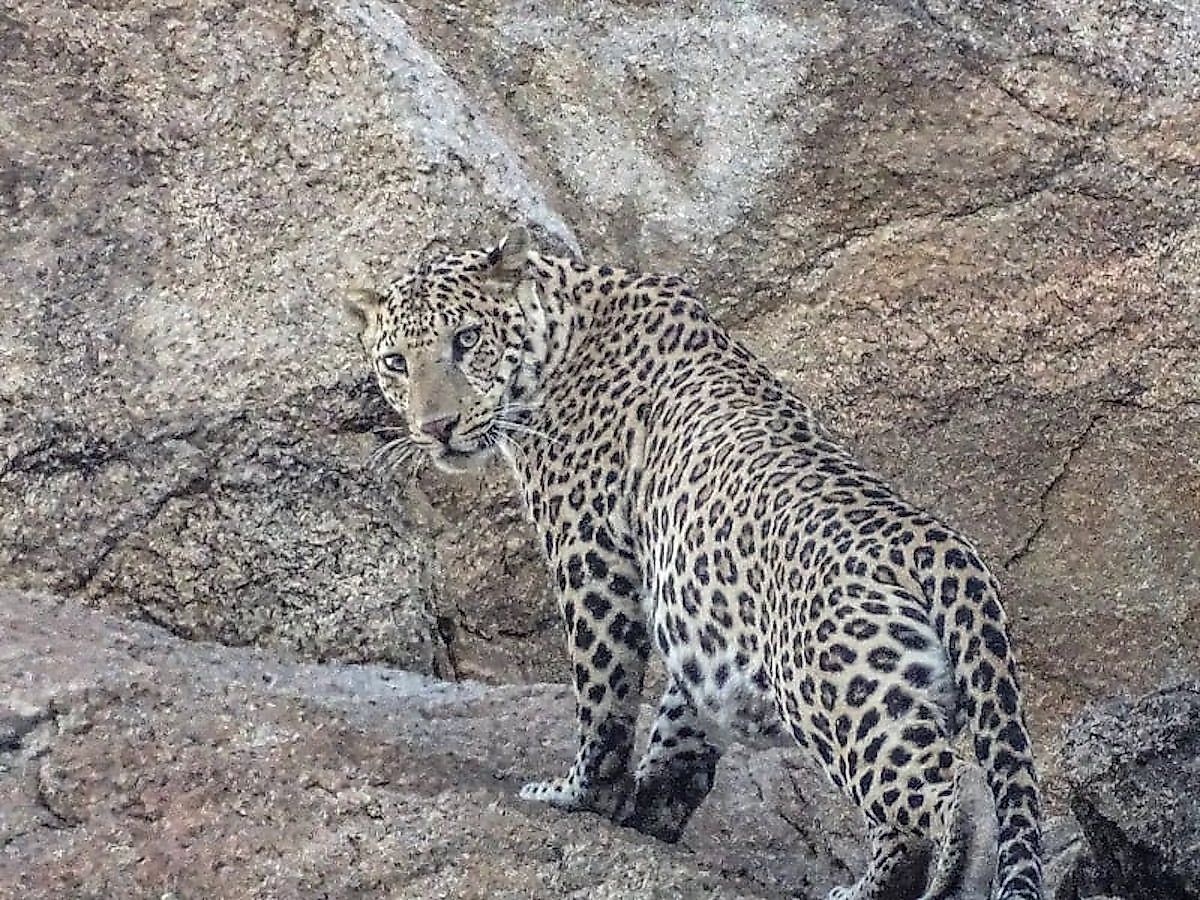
968, 234
136, 764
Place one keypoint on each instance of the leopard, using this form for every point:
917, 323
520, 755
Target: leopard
691, 505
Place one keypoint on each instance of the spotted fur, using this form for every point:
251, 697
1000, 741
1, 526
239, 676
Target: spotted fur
690, 504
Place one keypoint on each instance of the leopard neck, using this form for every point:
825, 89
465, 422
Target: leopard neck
554, 317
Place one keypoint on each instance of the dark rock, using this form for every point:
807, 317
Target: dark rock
1068, 865
1134, 772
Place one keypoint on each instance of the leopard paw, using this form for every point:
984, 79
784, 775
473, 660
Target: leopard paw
562, 793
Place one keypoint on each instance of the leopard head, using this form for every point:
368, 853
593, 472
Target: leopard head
455, 347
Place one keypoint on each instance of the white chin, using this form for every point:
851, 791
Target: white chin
457, 461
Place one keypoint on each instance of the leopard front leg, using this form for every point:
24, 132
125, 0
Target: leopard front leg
677, 771
608, 644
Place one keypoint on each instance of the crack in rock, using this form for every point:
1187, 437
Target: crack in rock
198, 483
1042, 515
1072, 161
16, 727
61, 819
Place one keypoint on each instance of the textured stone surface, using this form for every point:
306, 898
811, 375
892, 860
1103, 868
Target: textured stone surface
1134, 771
1069, 865
969, 236
137, 765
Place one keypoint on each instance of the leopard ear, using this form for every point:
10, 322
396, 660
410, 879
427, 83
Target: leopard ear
510, 255
362, 308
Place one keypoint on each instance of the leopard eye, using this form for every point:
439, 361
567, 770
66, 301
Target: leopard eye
466, 339
395, 363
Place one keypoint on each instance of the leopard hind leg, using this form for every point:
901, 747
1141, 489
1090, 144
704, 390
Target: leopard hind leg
965, 864
677, 771
896, 870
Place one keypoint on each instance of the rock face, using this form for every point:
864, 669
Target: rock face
137, 765
969, 236
1134, 771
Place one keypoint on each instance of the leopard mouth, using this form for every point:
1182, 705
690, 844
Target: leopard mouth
458, 452
455, 459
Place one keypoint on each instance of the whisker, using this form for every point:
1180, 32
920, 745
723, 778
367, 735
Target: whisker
511, 447
387, 449
516, 407
525, 429
405, 454
416, 464
409, 462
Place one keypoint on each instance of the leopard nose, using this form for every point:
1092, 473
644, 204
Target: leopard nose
440, 428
